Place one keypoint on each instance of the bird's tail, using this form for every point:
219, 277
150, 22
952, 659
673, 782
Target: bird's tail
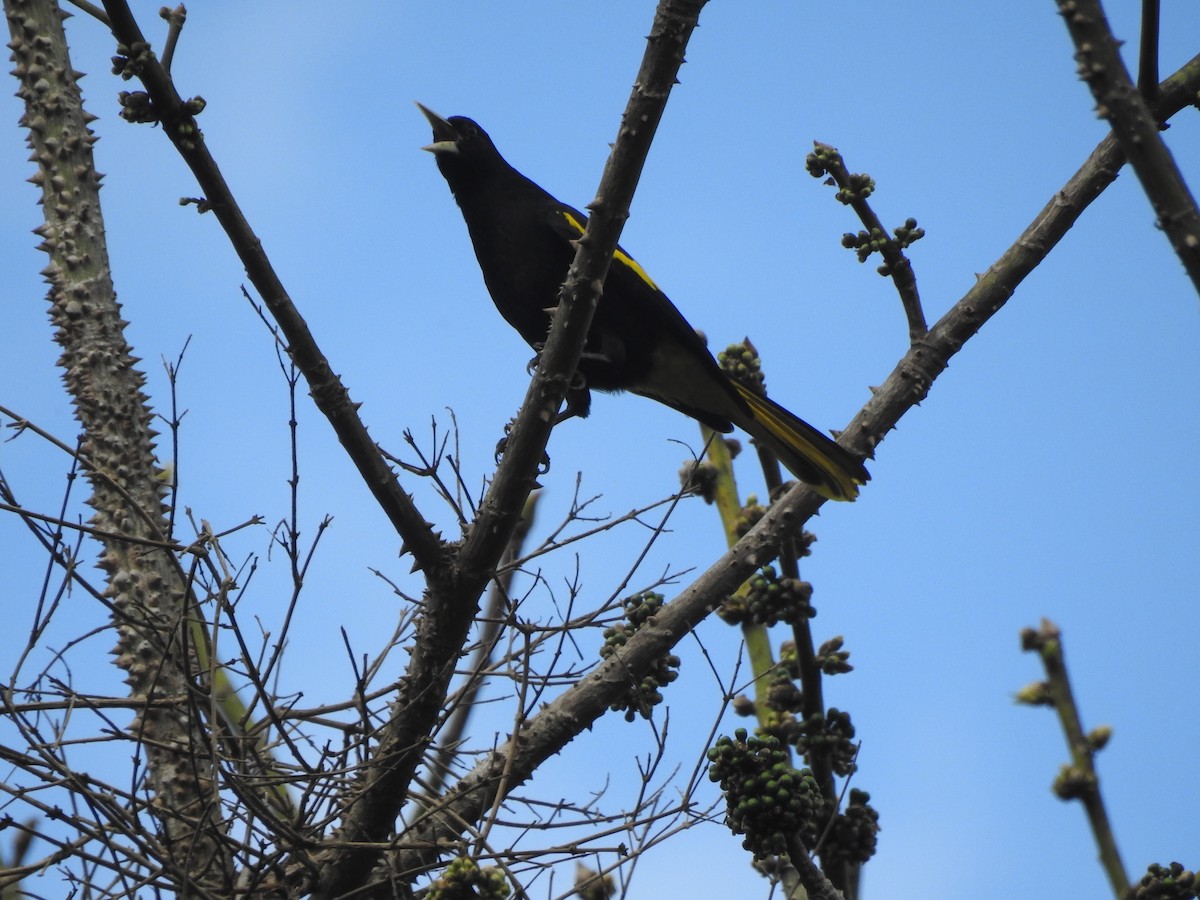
807, 453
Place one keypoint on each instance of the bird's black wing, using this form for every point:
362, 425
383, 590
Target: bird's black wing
640, 342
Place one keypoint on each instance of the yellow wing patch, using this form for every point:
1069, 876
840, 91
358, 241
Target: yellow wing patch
619, 256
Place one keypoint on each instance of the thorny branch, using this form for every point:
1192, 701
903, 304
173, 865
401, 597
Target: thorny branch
1135, 127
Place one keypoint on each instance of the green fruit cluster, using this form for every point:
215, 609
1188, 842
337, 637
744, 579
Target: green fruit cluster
646, 694
741, 363
767, 799
1172, 882
464, 880
853, 835
830, 735
770, 599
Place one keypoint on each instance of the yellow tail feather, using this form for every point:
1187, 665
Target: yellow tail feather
809, 454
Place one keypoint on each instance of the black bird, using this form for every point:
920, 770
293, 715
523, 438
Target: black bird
638, 340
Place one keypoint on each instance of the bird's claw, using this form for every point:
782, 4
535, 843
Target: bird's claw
502, 445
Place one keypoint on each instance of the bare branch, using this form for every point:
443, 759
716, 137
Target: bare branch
1135, 127
328, 392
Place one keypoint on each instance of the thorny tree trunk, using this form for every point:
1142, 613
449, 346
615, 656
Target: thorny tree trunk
146, 588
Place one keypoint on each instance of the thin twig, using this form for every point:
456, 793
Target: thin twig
175, 19
1079, 781
197, 548
91, 9
853, 190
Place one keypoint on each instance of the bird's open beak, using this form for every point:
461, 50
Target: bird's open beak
445, 135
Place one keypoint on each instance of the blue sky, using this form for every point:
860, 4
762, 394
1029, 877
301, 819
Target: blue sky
1049, 473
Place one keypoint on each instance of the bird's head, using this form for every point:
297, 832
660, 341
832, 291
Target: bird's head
460, 146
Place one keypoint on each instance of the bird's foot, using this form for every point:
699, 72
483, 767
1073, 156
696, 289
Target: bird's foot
502, 446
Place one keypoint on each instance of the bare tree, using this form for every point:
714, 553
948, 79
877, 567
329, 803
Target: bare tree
227, 786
